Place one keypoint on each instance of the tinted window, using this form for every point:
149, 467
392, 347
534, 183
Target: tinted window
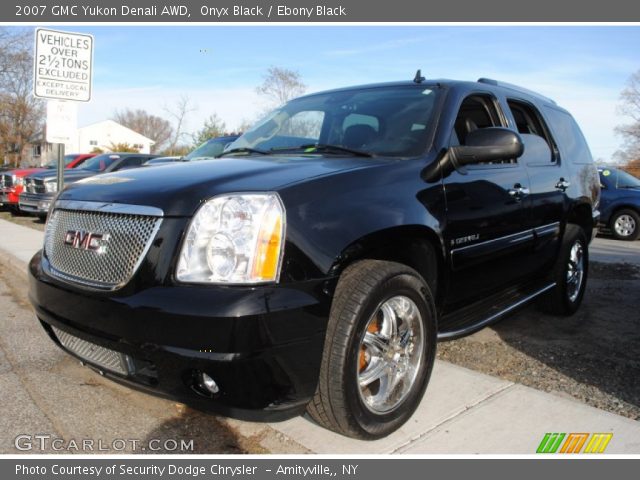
100, 163
130, 162
618, 178
566, 130
529, 121
476, 112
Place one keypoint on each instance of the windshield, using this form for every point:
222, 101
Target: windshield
626, 180
99, 163
620, 178
67, 160
209, 149
388, 121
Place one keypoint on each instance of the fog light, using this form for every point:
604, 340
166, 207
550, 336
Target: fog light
209, 383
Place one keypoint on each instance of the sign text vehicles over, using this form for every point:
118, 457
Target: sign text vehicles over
63, 65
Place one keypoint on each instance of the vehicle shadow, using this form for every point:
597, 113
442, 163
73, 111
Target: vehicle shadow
591, 356
193, 432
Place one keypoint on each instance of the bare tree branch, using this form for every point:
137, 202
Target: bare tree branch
281, 85
179, 113
157, 129
21, 114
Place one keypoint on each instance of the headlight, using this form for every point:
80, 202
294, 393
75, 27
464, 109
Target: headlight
18, 180
235, 238
51, 187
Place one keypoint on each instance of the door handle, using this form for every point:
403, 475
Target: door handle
518, 191
563, 184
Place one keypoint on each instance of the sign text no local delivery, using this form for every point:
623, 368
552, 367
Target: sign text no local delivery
62, 65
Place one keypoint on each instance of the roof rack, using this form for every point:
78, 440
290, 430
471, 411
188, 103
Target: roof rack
491, 81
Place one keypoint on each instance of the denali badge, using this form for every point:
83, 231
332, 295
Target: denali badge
85, 240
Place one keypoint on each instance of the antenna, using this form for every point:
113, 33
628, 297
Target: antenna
418, 78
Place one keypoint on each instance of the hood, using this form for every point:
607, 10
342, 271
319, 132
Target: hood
70, 175
23, 172
178, 189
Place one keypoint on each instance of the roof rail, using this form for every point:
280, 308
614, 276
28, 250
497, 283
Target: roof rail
491, 81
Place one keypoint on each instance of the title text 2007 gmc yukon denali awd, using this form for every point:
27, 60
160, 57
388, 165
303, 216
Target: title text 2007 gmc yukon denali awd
317, 263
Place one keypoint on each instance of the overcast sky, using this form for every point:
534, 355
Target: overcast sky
150, 67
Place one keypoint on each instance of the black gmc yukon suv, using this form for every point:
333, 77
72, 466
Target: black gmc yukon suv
317, 263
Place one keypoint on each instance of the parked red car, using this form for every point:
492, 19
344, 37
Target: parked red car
11, 185
12, 181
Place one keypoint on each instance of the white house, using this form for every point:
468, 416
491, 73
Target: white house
104, 134
100, 134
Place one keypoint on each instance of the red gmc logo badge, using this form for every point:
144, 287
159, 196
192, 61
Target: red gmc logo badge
84, 240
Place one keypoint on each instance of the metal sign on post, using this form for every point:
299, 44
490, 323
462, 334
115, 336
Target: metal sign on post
62, 121
63, 65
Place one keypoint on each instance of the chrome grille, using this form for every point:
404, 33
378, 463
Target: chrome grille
95, 354
125, 241
6, 181
32, 185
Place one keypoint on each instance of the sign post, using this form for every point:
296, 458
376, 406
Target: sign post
62, 122
62, 71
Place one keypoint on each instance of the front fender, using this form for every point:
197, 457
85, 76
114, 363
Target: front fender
327, 215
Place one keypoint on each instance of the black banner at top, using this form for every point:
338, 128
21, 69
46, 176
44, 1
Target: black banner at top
308, 11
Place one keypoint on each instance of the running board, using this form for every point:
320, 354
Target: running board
466, 321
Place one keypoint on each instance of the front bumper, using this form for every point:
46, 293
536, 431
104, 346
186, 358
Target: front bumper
261, 345
8, 196
36, 203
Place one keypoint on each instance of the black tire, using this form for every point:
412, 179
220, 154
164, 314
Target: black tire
625, 225
42, 217
363, 290
565, 299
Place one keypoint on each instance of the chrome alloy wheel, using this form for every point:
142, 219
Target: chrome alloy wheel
575, 271
624, 225
390, 354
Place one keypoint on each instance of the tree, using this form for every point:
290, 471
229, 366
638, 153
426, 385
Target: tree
21, 114
179, 150
156, 128
281, 85
244, 125
633, 167
122, 147
630, 106
213, 127
178, 113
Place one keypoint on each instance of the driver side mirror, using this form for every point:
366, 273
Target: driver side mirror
483, 145
487, 145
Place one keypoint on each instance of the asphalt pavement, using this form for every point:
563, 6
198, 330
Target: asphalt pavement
609, 250
463, 412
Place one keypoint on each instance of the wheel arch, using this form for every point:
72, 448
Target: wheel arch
581, 215
415, 246
624, 206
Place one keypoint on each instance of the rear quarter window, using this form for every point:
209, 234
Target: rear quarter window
569, 136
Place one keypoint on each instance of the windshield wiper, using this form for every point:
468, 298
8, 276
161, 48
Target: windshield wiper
327, 148
245, 150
